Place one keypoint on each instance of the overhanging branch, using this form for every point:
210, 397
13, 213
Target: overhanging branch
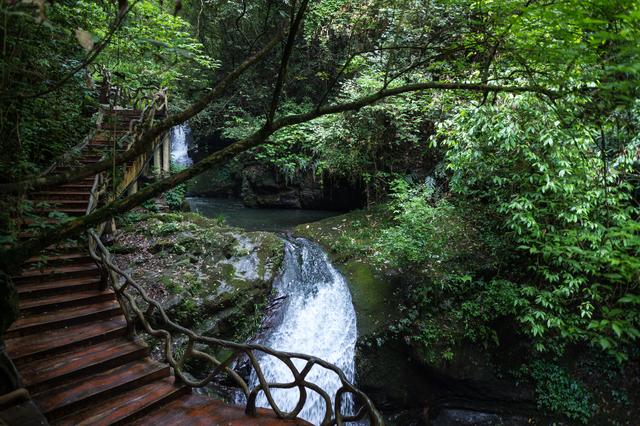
18, 253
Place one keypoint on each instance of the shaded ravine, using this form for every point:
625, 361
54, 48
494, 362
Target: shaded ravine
317, 317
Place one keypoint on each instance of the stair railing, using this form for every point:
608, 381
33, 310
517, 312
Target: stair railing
140, 307
154, 105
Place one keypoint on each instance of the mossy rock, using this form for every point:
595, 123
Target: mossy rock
208, 275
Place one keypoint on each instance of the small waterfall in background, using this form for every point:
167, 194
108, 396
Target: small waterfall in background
317, 318
180, 138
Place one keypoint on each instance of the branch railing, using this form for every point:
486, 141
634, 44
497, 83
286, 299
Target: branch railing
132, 295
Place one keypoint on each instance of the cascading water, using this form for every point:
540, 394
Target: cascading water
180, 136
317, 318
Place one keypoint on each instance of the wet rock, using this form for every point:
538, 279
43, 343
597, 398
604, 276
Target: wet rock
386, 373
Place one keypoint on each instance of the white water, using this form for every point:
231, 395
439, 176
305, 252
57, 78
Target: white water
180, 137
318, 319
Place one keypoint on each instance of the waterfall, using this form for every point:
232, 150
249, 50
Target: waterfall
180, 137
317, 318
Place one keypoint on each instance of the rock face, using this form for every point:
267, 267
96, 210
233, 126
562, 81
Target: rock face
262, 187
461, 417
258, 185
399, 382
207, 276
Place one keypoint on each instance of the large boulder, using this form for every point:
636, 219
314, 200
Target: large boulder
206, 275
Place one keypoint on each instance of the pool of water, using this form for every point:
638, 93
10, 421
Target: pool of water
236, 214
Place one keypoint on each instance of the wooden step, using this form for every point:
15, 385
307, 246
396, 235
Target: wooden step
69, 208
121, 111
68, 246
128, 405
93, 390
198, 410
65, 168
46, 288
66, 210
119, 127
26, 348
120, 117
107, 146
64, 317
56, 203
105, 149
103, 141
57, 259
76, 187
56, 273
38, 222
64, 300
68, 194
78, 362
108, 133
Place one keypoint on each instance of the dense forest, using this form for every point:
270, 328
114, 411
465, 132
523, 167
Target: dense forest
483, 156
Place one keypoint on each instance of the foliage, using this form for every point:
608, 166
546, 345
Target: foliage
175, 196
557, 392
371, 145
422, 232
568, 211
446, 254
535, 220
154, 48
43, 118
439, 318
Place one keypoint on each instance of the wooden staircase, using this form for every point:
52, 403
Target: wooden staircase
71, 346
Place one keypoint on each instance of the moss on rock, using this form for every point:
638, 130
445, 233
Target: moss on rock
207, 275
